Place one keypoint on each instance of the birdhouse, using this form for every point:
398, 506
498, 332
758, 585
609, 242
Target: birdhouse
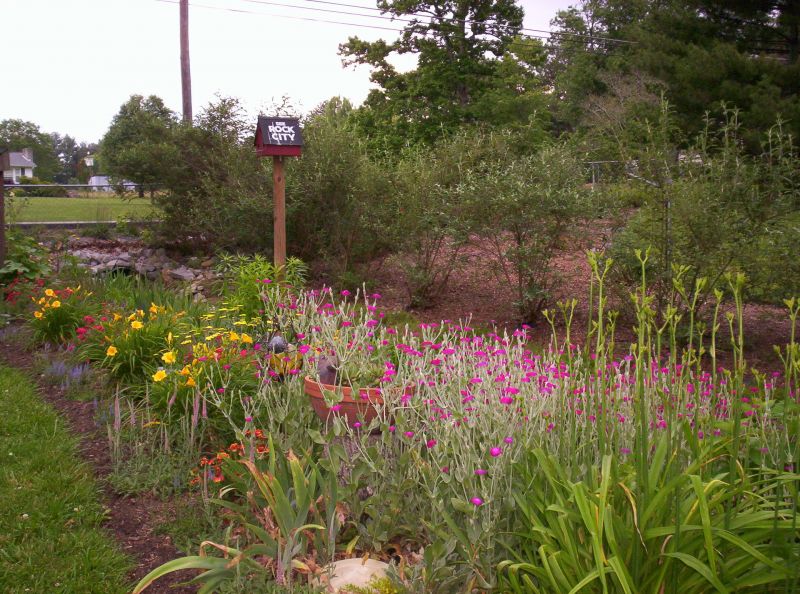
278, 137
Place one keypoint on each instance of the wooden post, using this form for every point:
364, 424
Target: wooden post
2, 220
186, 76
279, 211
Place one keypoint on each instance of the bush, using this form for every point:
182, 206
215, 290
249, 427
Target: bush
56, 192
715, 212
524, 210
59, 314
25, 259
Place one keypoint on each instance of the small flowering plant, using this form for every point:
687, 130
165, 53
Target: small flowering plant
349, 345
130, 346
59, 313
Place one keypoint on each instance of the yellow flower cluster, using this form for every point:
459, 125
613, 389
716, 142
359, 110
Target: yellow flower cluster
51, 300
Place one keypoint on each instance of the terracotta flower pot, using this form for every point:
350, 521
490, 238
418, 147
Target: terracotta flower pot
352, 406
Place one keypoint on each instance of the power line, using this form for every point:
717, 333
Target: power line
350, 24
375, 16
466, 21
283, 16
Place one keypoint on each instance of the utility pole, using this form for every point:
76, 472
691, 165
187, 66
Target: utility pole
186, 75
5, 164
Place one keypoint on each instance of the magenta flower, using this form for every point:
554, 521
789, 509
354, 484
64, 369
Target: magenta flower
430, 443
508, 439
481, 471
409, 434
476, 501
495, 452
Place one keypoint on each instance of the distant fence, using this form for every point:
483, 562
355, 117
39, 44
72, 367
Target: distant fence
118, 188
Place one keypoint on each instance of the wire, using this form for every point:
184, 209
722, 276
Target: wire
547, 34
467, 21
283, 16
350, 24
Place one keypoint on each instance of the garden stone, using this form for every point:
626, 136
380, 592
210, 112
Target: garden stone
277, 344
352, 572
207, 263
182, 274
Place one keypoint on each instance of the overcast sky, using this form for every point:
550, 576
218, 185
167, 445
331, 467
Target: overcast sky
69, 65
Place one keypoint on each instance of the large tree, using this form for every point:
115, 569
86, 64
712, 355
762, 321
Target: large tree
459, 46
71, 155
19, 134
704, 52
139, 146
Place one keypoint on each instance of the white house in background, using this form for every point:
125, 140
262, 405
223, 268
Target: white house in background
21, 165
102, 183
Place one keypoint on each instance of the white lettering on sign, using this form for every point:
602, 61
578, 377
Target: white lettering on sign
281, 132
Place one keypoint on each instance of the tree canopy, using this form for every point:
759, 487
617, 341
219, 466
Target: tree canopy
465, 68
138, 145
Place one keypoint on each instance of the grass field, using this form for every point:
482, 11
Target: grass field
106, 208
51, 538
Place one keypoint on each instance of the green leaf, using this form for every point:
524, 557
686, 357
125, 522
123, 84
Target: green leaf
701, 568
191, 562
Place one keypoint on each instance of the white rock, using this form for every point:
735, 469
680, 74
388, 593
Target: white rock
353, 572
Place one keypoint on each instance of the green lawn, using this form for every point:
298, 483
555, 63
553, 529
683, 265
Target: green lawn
106, 208
51, 538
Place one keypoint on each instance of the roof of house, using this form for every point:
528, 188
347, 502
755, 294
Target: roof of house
20, 160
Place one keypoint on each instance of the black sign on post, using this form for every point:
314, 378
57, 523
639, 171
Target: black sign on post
273, 133
278, 138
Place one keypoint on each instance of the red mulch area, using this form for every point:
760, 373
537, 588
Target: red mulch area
473, 291
133, 521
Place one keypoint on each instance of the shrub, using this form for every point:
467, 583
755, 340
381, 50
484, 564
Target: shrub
717, 210
524, 211
55, 192
26, 259
59, 314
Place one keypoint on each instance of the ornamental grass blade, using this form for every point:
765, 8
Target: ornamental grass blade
701, 568
705, 518
191, 562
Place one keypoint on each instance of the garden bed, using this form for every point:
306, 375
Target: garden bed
485, 446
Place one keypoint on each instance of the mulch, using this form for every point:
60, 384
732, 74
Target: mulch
133, 521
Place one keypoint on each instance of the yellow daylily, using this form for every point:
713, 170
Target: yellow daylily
159, 375
168, 357
185, 370
233, 336
37, 314
55, 304
117, 317
131, 317
50, 292
140, 313
111, 351
190, 382
137, 325
246, 338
